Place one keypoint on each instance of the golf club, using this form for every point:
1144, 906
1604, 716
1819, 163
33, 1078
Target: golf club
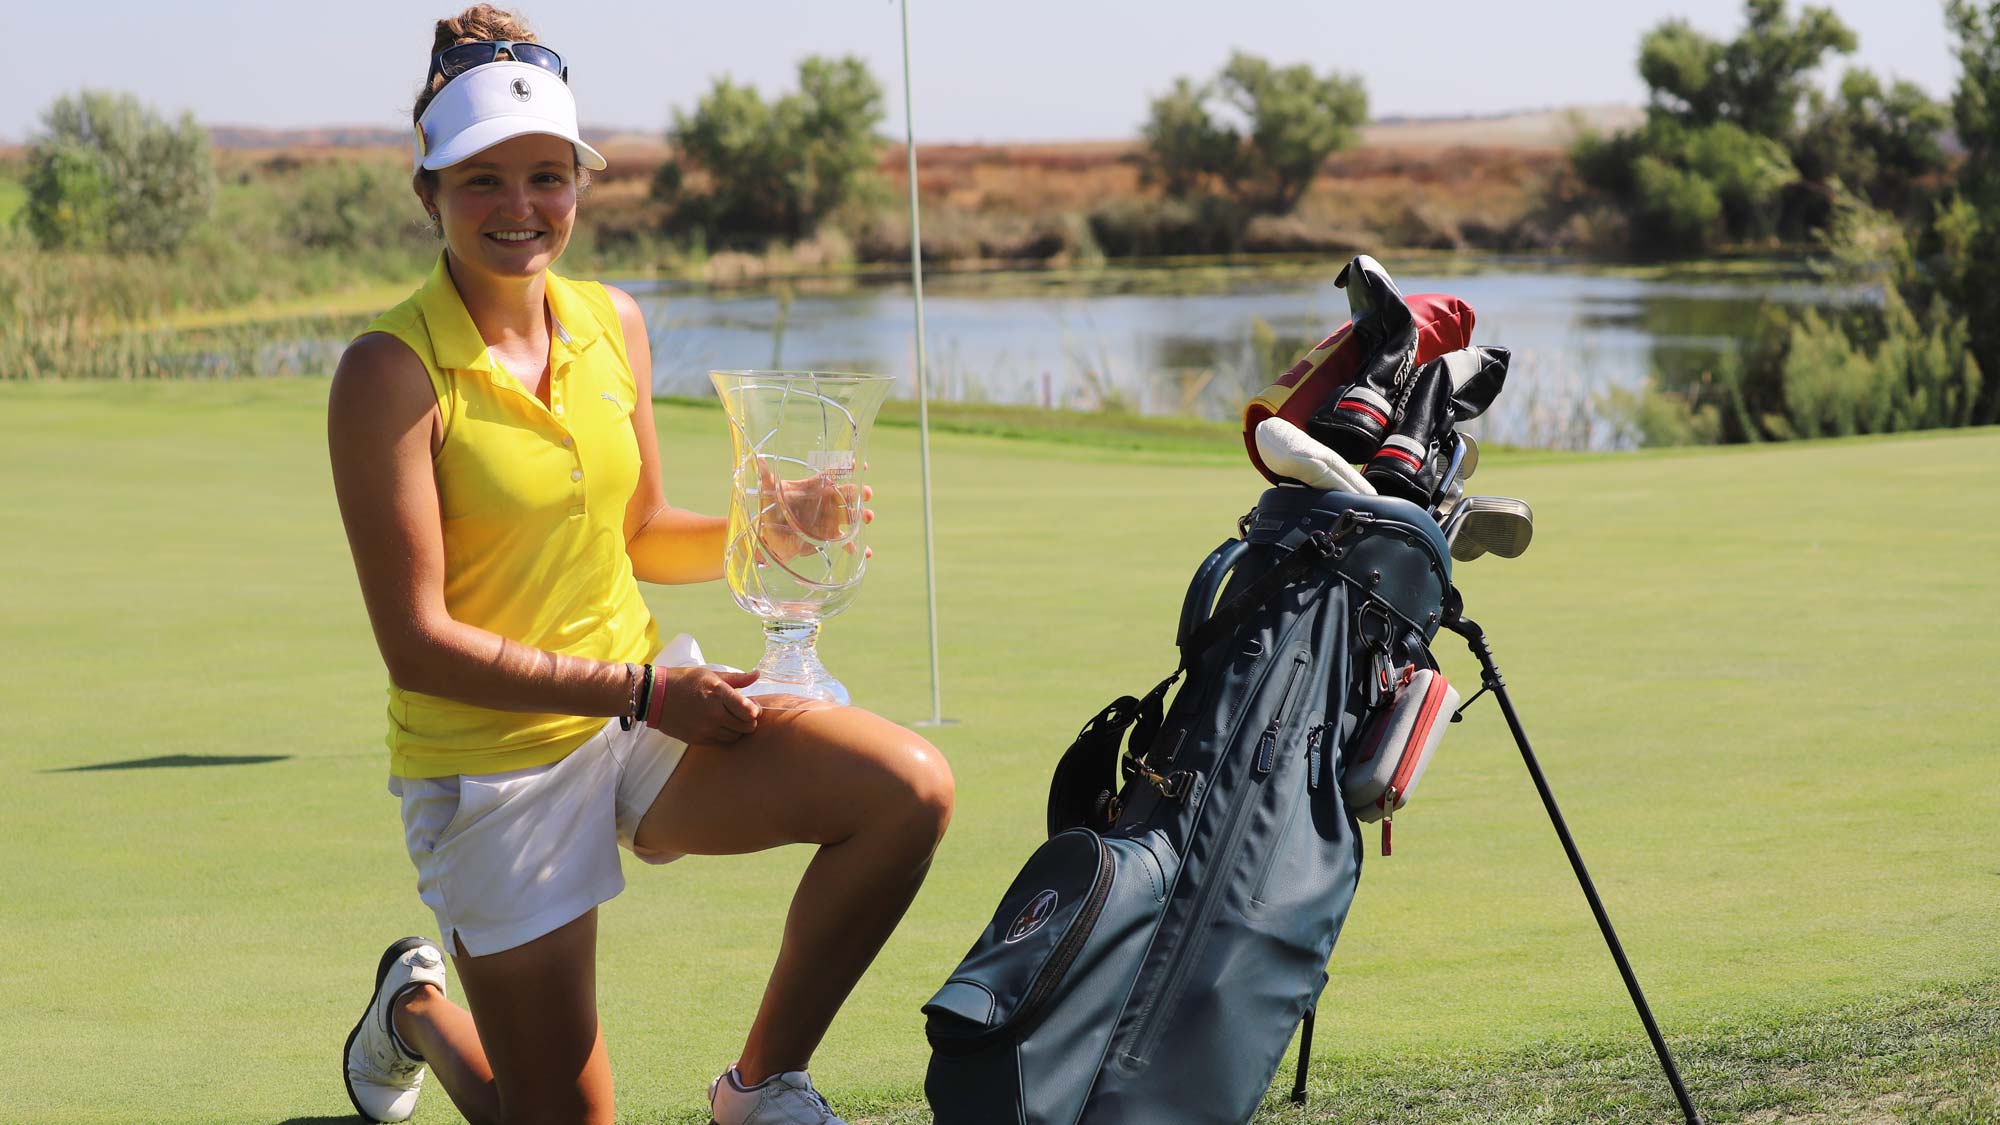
1291, 452
1499, 524
1451, 474
1465, 458
1453, 493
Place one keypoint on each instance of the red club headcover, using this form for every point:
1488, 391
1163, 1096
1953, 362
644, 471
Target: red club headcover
1444, 324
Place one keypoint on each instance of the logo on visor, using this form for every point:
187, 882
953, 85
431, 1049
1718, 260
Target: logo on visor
1033, 917
522, 91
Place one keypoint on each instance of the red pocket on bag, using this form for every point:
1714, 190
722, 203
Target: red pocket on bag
1397, 746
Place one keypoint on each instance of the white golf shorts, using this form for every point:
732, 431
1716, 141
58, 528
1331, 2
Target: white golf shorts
503, 858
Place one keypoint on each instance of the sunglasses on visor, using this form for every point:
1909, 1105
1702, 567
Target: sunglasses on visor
461, 57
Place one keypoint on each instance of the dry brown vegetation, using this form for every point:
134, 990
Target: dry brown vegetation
1051, 202
1375, 195
1429, 183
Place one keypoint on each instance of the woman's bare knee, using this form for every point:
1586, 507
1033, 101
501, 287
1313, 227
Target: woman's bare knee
894, 780
924, 791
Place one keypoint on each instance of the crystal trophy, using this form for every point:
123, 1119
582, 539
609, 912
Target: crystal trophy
794, 555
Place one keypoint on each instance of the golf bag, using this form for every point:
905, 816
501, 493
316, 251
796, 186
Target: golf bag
1152, 959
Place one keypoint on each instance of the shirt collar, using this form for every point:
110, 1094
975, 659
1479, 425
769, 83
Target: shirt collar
576, 323
455, 340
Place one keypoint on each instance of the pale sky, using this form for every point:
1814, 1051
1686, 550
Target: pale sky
983, 71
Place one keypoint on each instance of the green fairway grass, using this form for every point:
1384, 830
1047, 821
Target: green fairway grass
1759, 680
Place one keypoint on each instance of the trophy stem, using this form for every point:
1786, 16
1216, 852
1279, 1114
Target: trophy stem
791, 664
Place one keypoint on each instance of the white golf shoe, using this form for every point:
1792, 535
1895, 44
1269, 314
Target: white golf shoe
782, 1099
383, 1076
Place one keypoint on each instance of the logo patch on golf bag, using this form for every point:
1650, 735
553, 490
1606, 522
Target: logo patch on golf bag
1032, 917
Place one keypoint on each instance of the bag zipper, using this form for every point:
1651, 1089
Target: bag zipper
1150, 1023
1420, 732
1169, 992
1057, 966
1049, 978
1312, 754
1267, 745
1377, 727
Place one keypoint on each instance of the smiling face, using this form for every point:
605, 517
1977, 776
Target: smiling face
509, 209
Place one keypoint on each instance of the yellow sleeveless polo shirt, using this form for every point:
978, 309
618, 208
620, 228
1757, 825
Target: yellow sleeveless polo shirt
533, 502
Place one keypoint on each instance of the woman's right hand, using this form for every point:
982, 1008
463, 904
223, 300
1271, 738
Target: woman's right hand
701, 706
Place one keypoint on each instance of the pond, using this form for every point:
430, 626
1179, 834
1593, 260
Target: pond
1203, 340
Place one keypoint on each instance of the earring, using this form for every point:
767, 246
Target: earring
436, 228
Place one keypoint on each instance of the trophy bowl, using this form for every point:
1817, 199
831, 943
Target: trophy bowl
794, 555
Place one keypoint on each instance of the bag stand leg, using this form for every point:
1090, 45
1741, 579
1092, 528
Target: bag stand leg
1475, 638
1305, 1056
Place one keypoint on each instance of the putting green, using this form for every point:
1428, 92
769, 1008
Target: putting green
1757, 678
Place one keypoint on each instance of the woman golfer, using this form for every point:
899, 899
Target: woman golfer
494, 456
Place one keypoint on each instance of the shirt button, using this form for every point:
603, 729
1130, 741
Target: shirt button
559, 408
576, 474
567, 442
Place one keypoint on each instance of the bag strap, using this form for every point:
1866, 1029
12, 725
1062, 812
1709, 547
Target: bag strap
1316, 548
1078, 791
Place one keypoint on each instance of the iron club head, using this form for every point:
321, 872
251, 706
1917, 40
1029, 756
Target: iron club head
1499, 524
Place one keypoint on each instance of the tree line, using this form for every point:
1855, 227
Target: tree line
1253, 137
1741, 146
108, 174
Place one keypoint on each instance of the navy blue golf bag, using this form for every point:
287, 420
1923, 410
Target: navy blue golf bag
1153, 958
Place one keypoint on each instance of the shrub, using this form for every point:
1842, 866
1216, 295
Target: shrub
1141, 228
1675, 209
1878, 141
359, 206
776, 168
1728, 114
1295, 119
1867, 370
107, 173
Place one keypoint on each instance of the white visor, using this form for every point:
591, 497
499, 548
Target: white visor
497, 102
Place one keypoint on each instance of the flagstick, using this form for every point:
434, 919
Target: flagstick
923, 389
